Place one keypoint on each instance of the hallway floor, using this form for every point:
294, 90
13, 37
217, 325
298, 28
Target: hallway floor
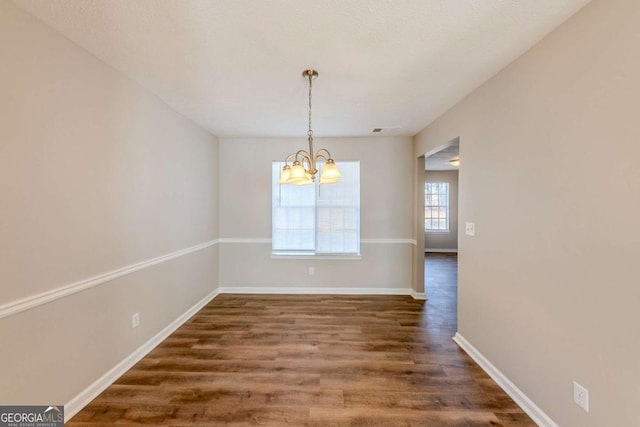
441, 288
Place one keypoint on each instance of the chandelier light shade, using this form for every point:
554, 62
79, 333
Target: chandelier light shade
303, 169
330, 173
455, 162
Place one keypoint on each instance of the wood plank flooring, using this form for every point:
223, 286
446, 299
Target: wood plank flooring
310, 360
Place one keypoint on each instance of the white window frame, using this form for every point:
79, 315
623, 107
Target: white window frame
439, 205
343, 209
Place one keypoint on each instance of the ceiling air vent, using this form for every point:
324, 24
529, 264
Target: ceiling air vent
385, 128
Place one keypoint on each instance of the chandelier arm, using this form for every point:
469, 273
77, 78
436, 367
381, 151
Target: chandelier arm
319, 154
310, 167
289, 157
302, 154
303, 157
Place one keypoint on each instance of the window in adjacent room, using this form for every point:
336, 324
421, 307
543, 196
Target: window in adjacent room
436, 206
316, 219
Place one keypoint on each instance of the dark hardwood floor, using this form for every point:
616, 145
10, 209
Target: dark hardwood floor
302, 360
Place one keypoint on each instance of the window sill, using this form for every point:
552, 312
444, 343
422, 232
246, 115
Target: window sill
437, 231
336, 257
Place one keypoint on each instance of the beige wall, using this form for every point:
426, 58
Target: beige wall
445, 240
96, 174
548, 287
386, 206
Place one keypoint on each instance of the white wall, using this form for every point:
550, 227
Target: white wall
386, 206
548, 287
447, 241
96, 175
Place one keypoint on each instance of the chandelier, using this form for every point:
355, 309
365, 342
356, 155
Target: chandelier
303, 170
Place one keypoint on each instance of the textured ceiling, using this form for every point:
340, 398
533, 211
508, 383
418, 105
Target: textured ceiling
439, 161
234, 66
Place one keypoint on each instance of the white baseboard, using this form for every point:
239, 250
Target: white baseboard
74, 406
527, 405
314, 291
444, 251
418, 295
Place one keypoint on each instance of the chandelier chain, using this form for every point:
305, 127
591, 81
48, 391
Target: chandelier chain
310, 132
303, 170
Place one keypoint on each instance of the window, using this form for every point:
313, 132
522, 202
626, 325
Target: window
436, 206
316, 219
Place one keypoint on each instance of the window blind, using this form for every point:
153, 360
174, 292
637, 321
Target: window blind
317, 219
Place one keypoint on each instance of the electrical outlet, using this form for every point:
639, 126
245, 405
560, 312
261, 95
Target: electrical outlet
470, 229
135, 320
581, 396
312, 271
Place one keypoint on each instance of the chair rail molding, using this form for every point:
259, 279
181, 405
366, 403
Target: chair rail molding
33, 301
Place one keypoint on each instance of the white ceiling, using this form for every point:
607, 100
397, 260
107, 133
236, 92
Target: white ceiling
439, 161
234, 66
